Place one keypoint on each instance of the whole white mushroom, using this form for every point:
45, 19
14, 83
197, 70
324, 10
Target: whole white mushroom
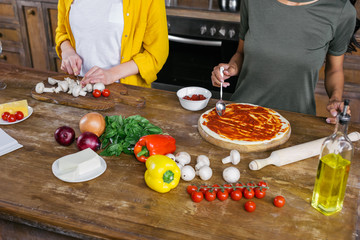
187, 173
231, 174
205, 173
202, 161
234, 157
183, 158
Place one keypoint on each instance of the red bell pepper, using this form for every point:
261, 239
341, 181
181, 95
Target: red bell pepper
155, 144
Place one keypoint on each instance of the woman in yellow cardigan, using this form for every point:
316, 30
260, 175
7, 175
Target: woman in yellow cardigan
113, 40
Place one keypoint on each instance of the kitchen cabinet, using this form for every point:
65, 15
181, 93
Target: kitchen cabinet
27, 30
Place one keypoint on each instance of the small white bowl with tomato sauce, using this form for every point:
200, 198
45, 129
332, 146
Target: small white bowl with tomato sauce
194, 98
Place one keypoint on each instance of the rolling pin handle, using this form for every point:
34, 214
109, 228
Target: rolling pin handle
254, 166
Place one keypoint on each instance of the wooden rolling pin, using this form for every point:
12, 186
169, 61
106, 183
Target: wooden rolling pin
295, 153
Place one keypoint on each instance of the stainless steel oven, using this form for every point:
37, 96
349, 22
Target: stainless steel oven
196, 46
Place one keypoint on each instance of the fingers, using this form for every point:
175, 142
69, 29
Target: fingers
71, 65
94, 75
334, 108
217, 77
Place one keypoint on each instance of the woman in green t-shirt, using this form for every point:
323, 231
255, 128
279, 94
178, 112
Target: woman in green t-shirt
283, 45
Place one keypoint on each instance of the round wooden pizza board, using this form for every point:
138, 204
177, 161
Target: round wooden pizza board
243, 148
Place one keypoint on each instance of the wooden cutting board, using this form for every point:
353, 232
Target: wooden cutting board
118, 94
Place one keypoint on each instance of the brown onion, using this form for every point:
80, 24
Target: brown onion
92, 122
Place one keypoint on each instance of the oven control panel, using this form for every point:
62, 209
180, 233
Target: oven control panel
203, 28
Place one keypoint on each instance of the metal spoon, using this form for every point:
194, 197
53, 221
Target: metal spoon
220, 105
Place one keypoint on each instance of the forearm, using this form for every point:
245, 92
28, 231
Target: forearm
238, 58
334, 80
123, 70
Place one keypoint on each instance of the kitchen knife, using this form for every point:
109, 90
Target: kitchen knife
295, 153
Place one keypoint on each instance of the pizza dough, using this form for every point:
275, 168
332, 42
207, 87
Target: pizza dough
244, 127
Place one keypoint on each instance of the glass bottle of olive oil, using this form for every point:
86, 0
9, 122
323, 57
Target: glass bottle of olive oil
333, 170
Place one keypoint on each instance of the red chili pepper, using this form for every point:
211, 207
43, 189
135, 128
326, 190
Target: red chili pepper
155, 144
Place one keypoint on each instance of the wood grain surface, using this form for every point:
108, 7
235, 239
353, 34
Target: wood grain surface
119, 205
118, 93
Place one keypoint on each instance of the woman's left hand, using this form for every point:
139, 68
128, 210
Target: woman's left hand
97, 74
334, 107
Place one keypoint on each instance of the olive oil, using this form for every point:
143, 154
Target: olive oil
330, 183
333, 169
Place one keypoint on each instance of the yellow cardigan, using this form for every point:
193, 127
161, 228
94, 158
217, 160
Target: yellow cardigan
144, 40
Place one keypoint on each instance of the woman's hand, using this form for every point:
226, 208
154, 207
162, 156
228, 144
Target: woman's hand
97, 74
71, 61
335, 107
229, 71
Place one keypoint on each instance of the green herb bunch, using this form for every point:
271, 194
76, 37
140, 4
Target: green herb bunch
121, 134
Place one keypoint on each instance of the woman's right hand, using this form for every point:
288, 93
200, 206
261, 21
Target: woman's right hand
229, 71
71, 61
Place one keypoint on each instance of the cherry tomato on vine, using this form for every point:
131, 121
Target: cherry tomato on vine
260, 193
96, 93
279, 201
216, 188
248, 193
236, 195
191, 188
105, 92
11, 118
239, 186
210, 196
19, 115
250, 206
262, 184
5, 116
222, 195
197, 196
204, 189
228, 188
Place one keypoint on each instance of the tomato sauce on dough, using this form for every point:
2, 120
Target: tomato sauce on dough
244, 122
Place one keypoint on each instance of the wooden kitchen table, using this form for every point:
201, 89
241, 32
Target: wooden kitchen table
119, 205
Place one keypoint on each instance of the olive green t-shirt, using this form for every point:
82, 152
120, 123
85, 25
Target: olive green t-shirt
285, 47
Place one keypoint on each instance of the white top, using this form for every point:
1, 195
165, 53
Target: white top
97, 27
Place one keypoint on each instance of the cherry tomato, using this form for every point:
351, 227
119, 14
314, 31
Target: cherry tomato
210, 196
279, 201
105, 92
251, 184
248, 193
19, 115
222, 195
263, 185
216, 188
239, 186
11, 118
204, 189
260, 193
96, 93
228, 188
5, 116
236, 195
191, 188
197, 196
250, 206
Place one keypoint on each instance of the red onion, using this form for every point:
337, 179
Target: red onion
88, 140
64, 135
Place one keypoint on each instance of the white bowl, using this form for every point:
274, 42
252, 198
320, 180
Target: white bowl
193, 105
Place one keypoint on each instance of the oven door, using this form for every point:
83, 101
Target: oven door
191, 62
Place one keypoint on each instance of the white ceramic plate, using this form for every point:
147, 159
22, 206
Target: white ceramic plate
86, 177
30, 111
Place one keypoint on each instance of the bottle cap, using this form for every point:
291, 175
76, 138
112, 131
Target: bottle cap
344, 117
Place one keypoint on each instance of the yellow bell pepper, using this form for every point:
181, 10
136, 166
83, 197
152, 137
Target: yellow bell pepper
162, 173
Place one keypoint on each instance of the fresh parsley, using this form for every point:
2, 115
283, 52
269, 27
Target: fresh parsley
121, 134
